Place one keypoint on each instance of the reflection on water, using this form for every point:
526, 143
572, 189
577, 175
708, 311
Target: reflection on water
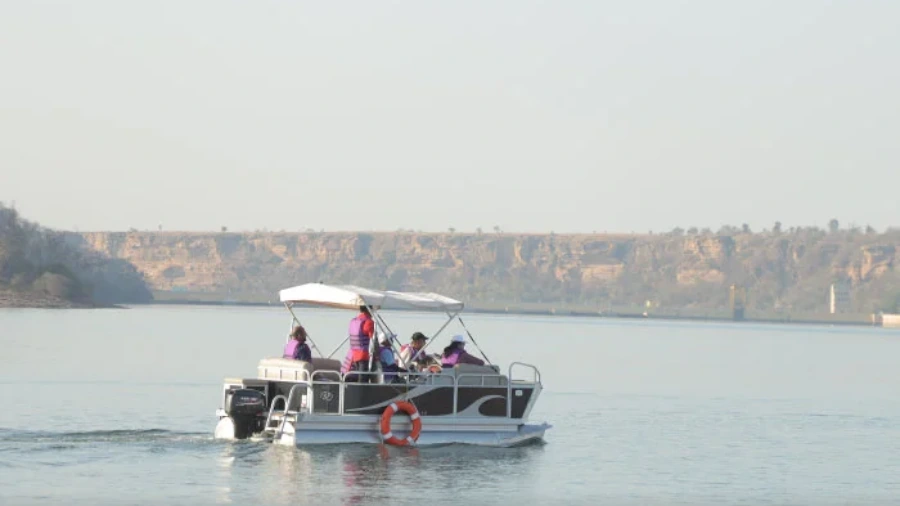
356, 474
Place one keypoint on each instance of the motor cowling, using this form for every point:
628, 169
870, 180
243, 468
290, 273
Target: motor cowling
246, 407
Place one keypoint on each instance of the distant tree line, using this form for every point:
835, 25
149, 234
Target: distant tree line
777, 228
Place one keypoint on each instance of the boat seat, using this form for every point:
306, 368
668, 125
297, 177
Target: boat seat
491, 377
288, 369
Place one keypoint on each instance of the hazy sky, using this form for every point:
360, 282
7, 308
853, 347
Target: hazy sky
534, 116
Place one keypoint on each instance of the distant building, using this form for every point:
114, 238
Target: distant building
886, 320
839, 298
738, 299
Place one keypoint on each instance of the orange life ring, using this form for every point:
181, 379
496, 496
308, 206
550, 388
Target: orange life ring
387, 436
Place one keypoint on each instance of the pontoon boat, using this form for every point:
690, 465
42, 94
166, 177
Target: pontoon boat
301, 403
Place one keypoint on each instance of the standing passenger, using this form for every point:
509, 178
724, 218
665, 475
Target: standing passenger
362, 328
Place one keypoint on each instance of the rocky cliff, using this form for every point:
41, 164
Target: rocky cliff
789, 271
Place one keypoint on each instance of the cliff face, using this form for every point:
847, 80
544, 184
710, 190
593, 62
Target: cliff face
779, 270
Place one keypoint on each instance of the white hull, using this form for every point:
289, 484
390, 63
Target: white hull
349, 429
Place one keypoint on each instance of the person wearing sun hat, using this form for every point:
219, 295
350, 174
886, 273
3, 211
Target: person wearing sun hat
456, 353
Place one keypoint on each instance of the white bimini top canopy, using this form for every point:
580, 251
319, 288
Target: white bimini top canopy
351, 297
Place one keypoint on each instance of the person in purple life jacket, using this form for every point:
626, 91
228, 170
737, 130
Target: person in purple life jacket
297, 348
456, 353
362, 329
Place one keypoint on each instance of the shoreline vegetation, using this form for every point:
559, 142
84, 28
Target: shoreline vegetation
45, 268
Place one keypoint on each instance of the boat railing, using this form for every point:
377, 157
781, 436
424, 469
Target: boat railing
429, 377
535, 374
499, 377
325, 373
326, 377
535, 379
414, 379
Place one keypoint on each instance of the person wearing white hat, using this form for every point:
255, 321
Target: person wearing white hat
389, 365
456, 353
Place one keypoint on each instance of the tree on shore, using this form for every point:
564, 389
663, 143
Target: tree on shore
38, 260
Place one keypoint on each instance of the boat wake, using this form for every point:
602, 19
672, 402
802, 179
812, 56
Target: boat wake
8, 436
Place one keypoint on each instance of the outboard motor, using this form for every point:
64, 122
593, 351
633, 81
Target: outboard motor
245, 407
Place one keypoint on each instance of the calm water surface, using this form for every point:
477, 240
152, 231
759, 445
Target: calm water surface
117, 407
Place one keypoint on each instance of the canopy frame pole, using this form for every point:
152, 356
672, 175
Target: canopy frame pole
290, 308
373, 343
338, 347
458, 317
393, 339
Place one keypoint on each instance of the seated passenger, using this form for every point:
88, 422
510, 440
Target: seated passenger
389, 367
297, 348
412, 357
456, 354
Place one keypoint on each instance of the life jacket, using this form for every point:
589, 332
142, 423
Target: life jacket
290, 348
348, 360
359, 341
294, 348
452, 359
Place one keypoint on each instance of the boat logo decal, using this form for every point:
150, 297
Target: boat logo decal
326, 396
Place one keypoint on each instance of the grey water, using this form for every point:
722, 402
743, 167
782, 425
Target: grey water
117, 407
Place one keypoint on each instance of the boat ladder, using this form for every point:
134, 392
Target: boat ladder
277, 418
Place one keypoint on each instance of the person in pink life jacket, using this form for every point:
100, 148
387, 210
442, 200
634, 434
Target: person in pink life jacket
456, 353
297, 348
